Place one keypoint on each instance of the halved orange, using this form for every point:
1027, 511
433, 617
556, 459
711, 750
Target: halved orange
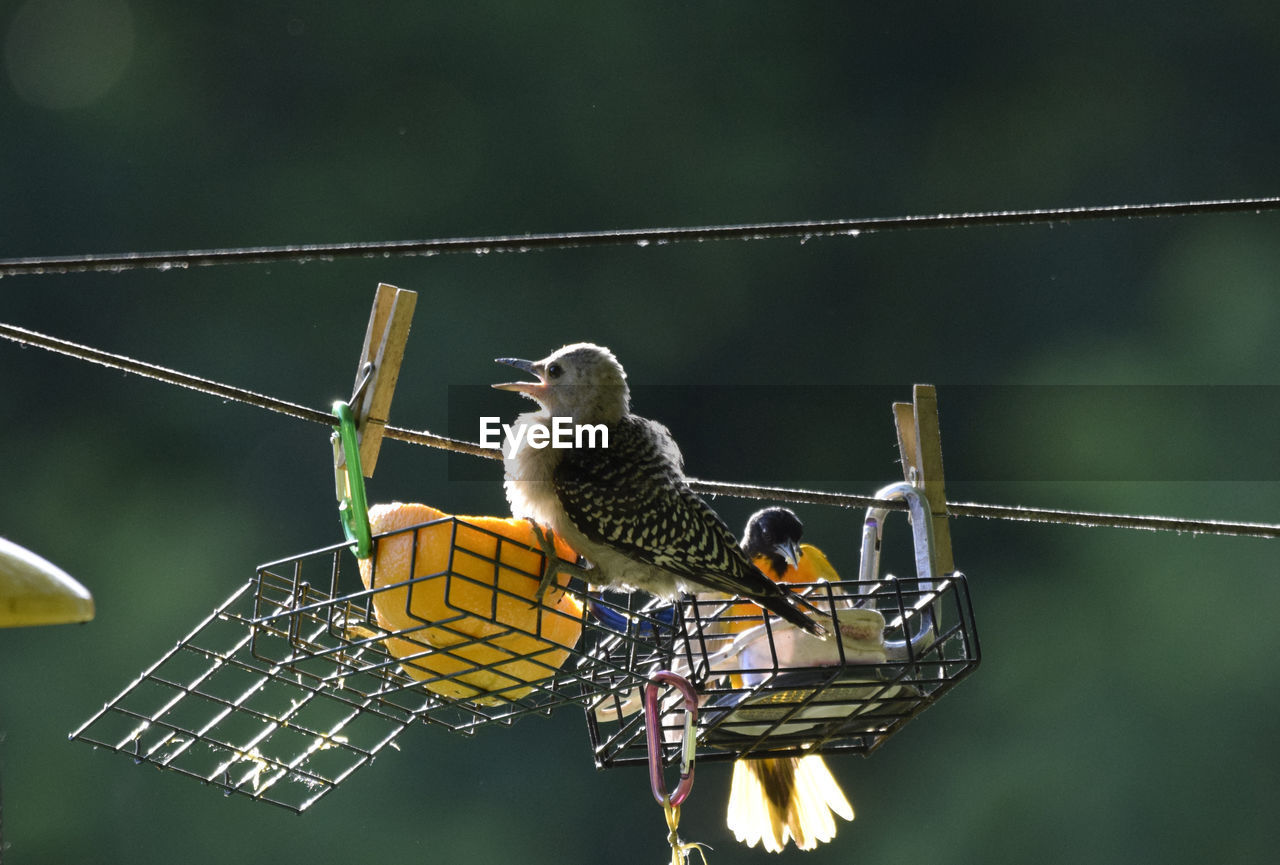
460, 608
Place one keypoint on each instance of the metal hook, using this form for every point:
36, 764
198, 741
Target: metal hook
653, 732
922, 533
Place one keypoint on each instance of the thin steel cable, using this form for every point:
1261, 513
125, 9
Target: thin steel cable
1087, 519
225, 391
751, 491
122, 261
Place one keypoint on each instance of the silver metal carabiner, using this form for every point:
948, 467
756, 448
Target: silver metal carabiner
869, 561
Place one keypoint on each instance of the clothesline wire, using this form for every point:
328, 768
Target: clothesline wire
117, 262
127, 364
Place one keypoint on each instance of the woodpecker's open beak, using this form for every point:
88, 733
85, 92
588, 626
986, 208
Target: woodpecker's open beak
528, 388
790, 552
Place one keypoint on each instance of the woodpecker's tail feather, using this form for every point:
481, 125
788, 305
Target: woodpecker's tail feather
792, 798
781, 604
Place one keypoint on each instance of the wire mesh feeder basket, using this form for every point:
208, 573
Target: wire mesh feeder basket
318, 663
212, 708
441, 622
767, 689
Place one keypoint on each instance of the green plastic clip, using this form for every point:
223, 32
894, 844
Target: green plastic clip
353, 507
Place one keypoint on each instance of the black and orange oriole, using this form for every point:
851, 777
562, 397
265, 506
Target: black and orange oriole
774, 800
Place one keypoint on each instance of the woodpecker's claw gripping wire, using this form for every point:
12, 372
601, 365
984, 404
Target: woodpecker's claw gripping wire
546, 540
552, 564
670, 803
353, 507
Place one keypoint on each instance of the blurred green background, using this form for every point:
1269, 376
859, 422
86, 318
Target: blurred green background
1124, 711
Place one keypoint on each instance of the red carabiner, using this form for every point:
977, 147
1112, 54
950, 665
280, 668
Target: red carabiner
653, 733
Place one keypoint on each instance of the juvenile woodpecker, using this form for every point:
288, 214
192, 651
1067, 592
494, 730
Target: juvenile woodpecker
774, 800
627, 508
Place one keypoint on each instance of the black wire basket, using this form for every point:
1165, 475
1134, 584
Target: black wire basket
213, 709
449, 630
310, 669
767, 689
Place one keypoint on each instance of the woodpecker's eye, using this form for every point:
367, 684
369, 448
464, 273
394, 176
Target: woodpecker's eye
554, 370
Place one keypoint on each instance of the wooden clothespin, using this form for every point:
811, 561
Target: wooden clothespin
384, 343
920, 446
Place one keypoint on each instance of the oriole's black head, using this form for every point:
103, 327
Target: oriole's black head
774, 533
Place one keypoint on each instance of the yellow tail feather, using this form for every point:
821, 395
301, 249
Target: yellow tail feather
792, 798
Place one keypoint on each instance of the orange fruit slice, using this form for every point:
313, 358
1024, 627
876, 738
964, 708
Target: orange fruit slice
457, 597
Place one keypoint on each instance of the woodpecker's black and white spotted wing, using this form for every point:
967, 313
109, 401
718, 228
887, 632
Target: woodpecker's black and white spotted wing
633, 497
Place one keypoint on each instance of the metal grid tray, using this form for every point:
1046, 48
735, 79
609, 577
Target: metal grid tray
768, 690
